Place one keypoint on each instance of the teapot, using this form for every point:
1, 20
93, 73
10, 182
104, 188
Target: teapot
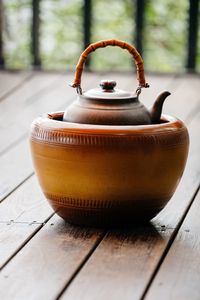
110, 106
107, 160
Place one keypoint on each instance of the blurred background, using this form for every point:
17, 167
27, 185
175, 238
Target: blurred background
50, 34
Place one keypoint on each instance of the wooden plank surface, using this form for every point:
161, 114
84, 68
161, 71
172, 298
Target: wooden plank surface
179, 275
16, 166
120, 266
11, 81
184, 100
22, 214
27, 204
53, 256
12, 239
16, 108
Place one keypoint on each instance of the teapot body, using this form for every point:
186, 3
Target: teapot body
107, 112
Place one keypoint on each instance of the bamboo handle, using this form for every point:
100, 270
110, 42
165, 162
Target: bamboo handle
101, 44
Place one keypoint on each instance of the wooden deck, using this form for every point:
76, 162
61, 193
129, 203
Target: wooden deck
42, 257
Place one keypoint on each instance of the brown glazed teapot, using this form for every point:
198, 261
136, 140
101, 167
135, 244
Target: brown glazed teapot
107, 105
107, 160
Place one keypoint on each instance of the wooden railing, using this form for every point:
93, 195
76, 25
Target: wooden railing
192, 33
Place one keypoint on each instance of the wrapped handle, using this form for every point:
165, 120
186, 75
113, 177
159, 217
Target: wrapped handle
101, 44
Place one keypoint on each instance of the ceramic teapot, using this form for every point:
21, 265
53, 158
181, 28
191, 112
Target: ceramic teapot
108, 105
100, 164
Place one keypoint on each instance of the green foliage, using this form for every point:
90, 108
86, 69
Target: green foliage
165, 35
61, 37
112, 20
17, 16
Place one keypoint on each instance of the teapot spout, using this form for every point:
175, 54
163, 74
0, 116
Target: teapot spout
157, 107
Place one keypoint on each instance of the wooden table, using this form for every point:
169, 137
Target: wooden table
42, 257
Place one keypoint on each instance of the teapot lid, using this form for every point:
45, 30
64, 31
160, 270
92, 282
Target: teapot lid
108, 91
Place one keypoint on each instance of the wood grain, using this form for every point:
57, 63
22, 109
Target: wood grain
11, 81
23, 213
16, 166
123, 264
26, 204
179, 275
120, 266
13, 119
12, 239
42, 267
184, 98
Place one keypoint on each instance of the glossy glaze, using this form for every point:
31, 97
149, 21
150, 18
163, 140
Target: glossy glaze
100, 175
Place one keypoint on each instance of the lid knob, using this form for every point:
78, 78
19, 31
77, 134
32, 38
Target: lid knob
107, 85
